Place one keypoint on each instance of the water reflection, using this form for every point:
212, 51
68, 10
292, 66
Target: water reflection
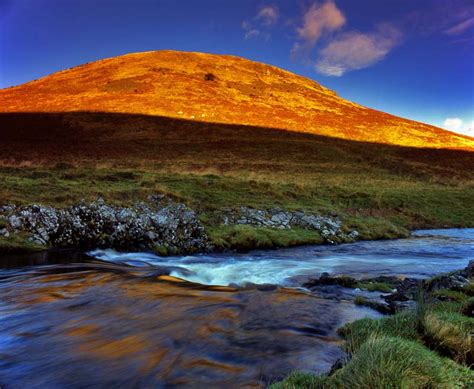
97, 329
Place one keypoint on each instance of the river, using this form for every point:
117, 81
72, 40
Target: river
238, 320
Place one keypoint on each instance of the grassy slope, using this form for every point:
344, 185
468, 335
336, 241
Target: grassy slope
427, 348
380, 190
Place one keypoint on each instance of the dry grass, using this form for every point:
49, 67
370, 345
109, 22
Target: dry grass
450, 334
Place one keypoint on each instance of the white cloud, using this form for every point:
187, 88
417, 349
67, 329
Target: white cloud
318, 20
268, 15
355, 50
453, 124
458, 125
258, 26
250, 31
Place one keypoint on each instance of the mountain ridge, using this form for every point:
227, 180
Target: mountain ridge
218, 89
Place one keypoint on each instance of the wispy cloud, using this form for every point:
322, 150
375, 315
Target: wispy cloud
250, 31
268, 15
318, 20
461, 27
452, 18
356, 50
259, 25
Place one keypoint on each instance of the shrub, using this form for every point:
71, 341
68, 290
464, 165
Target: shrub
467, 308
161, 251
469, 289
209, 77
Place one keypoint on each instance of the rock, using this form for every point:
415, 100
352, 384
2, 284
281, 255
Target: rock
468, 272
381, 306
353, 235
406, 289
453, 281
328, 226
326, 279
15, 222
97, 224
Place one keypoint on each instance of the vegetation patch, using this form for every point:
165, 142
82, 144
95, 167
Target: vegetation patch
244, 237
18, 244
430, 346
389, 362
450, 333
374, 286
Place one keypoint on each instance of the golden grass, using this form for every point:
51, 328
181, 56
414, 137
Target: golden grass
174, 84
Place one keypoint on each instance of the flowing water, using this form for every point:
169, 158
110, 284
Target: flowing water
135, 319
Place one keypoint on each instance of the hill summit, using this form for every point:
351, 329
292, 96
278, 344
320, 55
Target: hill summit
218, 89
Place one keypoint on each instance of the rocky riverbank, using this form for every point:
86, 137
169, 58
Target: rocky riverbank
397, 293
160, 224
427, 342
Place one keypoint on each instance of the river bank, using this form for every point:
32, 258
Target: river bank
163, 226
167, 227
427, 342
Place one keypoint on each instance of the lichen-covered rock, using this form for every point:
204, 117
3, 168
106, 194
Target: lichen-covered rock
329, 227
89, 225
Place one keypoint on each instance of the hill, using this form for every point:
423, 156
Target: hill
131, 126
218, 89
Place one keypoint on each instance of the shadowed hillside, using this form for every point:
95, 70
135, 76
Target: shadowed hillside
125, 140
61, 158
218, 89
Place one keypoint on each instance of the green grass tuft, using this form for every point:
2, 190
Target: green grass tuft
375, 286
449, 295
403, 324
393, 362
244, 237
19, 244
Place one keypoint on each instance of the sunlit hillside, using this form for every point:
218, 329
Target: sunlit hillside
218, 89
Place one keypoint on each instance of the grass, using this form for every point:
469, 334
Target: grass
389, 362
243, 237
429, 347
18, 244
451, 295
373, 286
375, 213
403, 324
450, 333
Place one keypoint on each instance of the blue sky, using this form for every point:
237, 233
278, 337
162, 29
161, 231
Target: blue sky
412, 58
